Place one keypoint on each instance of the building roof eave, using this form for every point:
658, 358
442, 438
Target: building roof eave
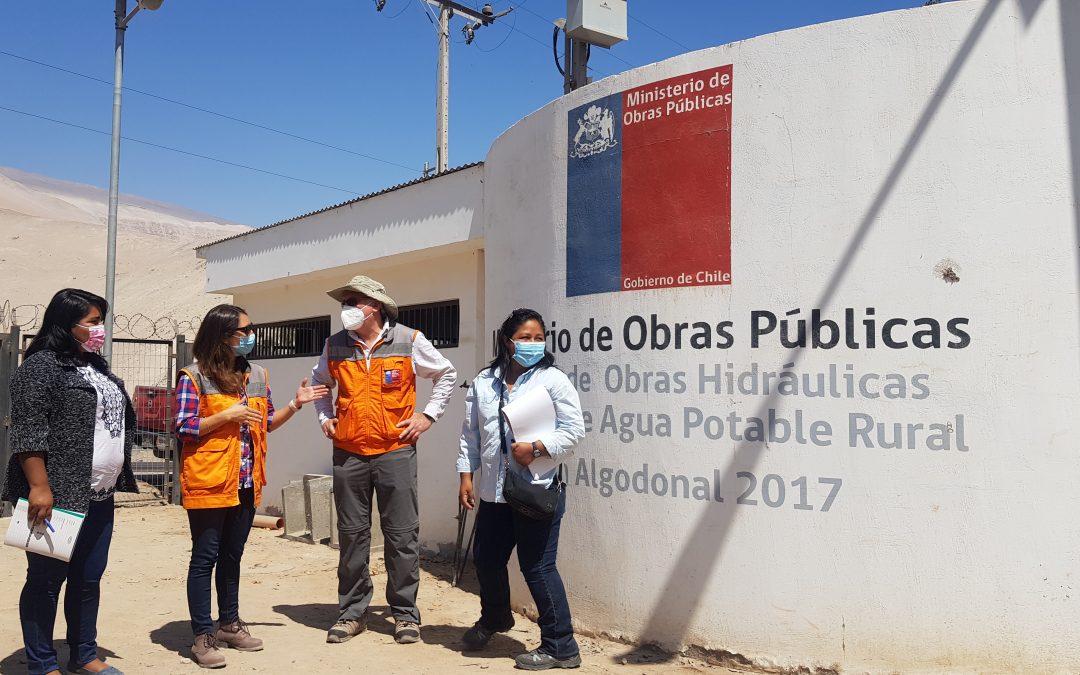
393, 188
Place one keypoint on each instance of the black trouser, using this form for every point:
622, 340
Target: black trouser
218, 537
498, 530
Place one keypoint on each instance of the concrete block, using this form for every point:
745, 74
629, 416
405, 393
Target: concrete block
294, 509
319, 504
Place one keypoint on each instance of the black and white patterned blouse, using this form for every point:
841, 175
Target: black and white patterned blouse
54, 412
108, 434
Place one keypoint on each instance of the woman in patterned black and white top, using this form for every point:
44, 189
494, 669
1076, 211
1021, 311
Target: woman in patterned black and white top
72, 428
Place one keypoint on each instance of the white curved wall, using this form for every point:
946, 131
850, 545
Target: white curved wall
867, 156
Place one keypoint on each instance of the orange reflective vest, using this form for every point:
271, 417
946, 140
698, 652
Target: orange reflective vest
372, 398
210, 468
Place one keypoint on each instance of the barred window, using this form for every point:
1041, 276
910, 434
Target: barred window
289, 339
438, 321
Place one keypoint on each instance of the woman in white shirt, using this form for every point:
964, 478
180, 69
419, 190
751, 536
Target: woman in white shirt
521, 363
72, 428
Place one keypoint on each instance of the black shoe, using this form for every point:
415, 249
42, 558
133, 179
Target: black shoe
478, 636
538, 660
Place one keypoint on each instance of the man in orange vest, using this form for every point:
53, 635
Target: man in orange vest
374, 425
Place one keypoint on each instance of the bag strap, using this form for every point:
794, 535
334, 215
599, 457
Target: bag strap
502, 434
502, 422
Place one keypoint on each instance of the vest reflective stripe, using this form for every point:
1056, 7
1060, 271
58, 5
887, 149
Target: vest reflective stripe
372, 398
210, 468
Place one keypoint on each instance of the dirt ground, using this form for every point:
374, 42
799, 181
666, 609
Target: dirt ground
288, 596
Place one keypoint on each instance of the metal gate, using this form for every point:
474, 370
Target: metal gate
148, 369
9, 361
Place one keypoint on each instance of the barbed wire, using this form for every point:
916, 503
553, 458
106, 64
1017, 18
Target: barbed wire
137, 326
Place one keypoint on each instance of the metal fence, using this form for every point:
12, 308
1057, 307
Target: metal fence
139, 326
148, 369
440, 322
9, 360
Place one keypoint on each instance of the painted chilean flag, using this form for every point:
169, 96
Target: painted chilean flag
648, 187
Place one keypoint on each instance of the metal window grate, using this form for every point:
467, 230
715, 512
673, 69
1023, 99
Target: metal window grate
440, 322
289, 339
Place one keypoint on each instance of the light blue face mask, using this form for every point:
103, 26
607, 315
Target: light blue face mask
529, 354
247, 343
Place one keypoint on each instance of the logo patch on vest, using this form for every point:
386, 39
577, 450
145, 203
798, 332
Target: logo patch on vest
392, 377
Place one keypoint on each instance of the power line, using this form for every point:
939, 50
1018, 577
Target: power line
214, 113
428, 14
405, 6
549, 22
182, 152
506, 37
658, 32
541, 43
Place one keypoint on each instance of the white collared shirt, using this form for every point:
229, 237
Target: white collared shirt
427, 362
480, 446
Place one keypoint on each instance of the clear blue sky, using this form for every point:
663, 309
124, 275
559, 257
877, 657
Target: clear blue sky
335, 71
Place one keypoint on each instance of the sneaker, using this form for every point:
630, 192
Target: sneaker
236, 635
406, 632
538, 660
205, 652
478, 636
345, 630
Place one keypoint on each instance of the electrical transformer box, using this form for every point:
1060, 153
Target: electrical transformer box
598, 22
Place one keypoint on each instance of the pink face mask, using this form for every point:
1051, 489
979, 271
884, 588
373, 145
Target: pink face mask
96, 341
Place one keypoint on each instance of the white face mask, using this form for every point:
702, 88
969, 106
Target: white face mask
352, 317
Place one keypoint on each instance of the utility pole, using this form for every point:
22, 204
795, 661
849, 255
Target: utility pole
447, 8
114, 176
122, 20
587, 23
576, 70
442, 105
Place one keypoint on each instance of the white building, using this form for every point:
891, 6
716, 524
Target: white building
424, 241
898, 483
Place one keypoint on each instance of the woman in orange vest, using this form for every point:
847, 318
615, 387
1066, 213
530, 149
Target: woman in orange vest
224, 411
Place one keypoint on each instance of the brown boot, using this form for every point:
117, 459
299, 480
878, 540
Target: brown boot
236, 635
205, 652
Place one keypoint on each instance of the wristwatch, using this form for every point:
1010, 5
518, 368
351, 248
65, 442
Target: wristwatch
536, 450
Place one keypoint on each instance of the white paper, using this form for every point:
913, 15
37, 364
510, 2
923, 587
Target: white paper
57, 543
531, 415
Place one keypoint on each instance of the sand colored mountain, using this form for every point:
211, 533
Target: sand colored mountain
53, 235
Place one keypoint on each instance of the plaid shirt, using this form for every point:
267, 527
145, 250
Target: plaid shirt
187, 424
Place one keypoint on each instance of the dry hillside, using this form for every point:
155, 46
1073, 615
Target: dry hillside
53, 234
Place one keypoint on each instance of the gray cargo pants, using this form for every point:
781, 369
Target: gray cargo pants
392, 478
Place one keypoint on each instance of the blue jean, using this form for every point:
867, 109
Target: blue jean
498, 529
218, 537
40, 595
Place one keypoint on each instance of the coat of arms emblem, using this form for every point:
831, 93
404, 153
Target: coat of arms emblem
595, 134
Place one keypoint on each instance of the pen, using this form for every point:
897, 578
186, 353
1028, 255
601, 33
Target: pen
49, 525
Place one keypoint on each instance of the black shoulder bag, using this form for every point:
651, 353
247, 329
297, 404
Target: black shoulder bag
525, 497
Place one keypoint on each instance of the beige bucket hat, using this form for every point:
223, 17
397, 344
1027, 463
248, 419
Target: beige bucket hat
369, 287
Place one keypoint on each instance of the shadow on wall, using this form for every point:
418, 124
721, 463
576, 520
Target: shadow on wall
670, 619
1070, 47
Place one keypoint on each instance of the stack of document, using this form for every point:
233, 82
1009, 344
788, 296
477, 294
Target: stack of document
531, 415
55, 539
